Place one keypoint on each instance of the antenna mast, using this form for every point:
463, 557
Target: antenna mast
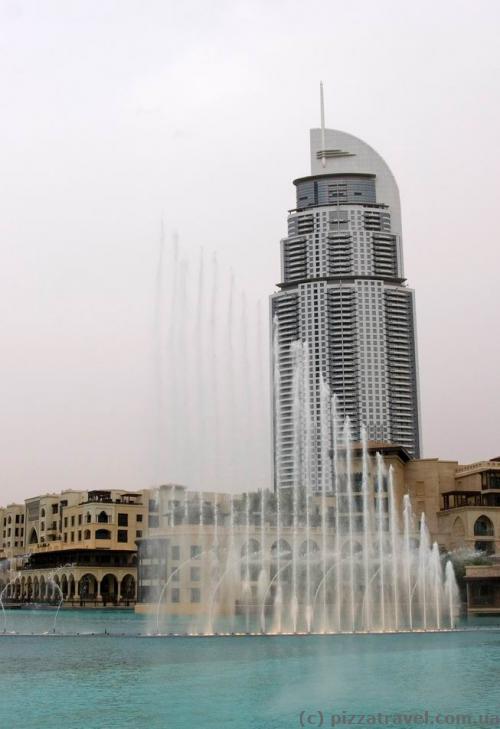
323, 143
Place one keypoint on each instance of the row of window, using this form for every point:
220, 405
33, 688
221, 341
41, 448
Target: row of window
122, 535
18, 520
195, 594
102, 518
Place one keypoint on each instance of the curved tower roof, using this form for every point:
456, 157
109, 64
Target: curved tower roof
346, 154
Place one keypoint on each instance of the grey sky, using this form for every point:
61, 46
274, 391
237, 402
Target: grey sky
113, 113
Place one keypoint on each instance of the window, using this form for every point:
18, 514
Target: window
72, 536
86, 534
195, 550
174, 574
175, 594
487, 547
72, 521
483, 527
103, 534
195, 574
490, 480
176, 552
79, 536
138, 517
153, 521
195, 594
79, 519
122, 535
65, 522
138, 534
123, 520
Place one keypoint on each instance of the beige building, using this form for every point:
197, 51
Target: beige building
12, 531
461, 506
83, 544
80, 545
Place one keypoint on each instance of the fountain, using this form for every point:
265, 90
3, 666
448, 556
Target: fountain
339, 552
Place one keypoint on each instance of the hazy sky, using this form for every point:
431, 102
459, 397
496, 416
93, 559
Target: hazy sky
116, 112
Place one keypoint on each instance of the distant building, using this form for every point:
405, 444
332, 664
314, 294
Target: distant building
78, 544
12, 531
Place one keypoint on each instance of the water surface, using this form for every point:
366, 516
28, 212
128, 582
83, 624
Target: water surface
125, 681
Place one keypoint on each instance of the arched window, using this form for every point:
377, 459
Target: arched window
86, 533
42, 513
88, 517
33, 537
87, 587
483, 527
283, 550
309, 547
253, 548
102, 518
103, 534
127, 589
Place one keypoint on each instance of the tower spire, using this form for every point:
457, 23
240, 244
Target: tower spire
322, 105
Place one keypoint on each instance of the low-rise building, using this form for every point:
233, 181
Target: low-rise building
81, 546
84, 545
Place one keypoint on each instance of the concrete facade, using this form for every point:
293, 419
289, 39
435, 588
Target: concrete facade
343, 292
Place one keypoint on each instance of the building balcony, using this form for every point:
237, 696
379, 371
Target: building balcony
464, 499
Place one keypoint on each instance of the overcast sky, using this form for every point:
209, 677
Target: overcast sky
116, 113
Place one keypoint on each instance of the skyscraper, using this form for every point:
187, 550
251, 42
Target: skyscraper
343, 292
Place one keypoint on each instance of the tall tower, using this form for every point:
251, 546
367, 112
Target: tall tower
343, 291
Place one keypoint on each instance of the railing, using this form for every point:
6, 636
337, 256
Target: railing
479, 465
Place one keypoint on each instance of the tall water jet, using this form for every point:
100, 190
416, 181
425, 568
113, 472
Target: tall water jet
262, 579
367, 527
394, 534
408, 524
451, 593
381, 538
325, 487
298, 375
277, 427
247, 561
338, 584
423, 569
436, 576
351, 517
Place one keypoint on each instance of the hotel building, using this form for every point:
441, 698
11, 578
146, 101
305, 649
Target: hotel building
343, 291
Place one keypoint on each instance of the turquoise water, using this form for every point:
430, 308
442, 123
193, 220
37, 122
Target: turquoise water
121, 681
